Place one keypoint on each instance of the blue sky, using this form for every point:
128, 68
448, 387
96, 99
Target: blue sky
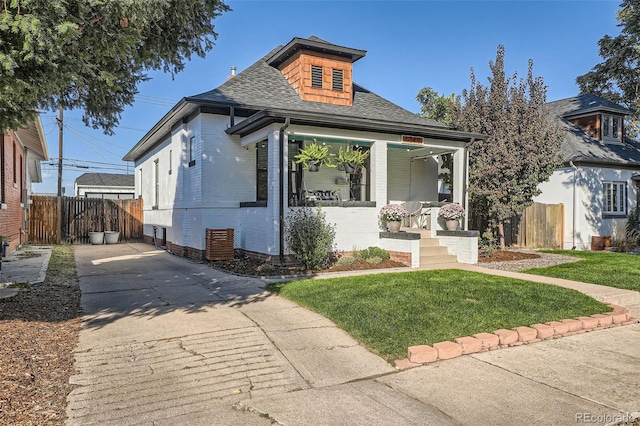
409, 44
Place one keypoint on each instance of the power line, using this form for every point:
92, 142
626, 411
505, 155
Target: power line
88, 144
98, 139
87, 161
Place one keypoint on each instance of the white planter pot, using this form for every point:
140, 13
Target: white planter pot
452, 225
96, 237
394, 225
111, 237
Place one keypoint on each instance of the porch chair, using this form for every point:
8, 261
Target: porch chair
414, 208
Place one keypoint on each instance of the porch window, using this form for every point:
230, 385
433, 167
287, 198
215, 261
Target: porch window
262, 171
294, 173
615, 198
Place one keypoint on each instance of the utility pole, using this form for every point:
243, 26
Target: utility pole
59, 206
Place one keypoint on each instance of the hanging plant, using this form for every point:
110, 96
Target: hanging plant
314, 155
352, 159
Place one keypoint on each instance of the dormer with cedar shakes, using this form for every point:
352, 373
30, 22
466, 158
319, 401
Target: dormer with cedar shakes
317, 70
599, 118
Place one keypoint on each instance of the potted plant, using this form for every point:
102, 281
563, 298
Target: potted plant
314, 155
451, 213
392, 215
352, 159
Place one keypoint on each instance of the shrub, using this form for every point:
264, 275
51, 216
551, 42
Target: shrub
346, 261
373, 252
266, 268
487, 244
625, 236
374, 260
309, 237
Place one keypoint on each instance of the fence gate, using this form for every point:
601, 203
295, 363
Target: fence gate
81, 215
540, 226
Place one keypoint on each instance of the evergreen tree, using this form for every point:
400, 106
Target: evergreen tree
92, 54
521, 150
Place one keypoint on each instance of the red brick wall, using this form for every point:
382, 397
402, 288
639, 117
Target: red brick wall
12, 211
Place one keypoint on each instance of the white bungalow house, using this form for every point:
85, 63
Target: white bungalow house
225, 159
598, 182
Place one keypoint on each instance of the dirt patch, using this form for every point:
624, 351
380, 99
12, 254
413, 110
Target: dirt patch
39, 330
250, 266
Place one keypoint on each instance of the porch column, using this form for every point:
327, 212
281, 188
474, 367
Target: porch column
460, 182
378, 164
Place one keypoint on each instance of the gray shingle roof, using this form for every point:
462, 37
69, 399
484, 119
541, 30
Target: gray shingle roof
578, 146
263, 89
262, 86
106, 179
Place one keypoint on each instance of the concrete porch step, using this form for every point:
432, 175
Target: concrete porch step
437, 260
433, 251
429, 242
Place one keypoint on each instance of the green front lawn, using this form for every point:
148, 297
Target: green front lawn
390, 312
620, 270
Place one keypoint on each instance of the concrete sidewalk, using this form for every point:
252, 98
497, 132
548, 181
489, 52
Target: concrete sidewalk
27, 265
168, 341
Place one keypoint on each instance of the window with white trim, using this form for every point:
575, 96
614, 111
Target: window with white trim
615, 198
611, 128
156, 184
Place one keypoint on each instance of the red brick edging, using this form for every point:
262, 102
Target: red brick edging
503, 338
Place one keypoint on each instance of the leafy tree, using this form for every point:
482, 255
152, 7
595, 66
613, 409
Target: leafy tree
438, 107
521, 149
92, 54
616, 78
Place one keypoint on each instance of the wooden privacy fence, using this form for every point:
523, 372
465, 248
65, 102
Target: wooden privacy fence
81, 215
539, 226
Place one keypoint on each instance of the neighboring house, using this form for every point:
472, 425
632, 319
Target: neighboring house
598, 182
225, 158
105, 185
20, 154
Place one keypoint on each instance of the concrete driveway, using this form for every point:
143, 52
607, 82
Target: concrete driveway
168, 341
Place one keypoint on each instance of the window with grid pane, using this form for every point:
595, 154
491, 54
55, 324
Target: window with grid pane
615, 198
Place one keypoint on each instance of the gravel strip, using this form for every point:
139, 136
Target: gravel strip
545, 259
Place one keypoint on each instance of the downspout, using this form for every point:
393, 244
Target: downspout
281, 186
574, 210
